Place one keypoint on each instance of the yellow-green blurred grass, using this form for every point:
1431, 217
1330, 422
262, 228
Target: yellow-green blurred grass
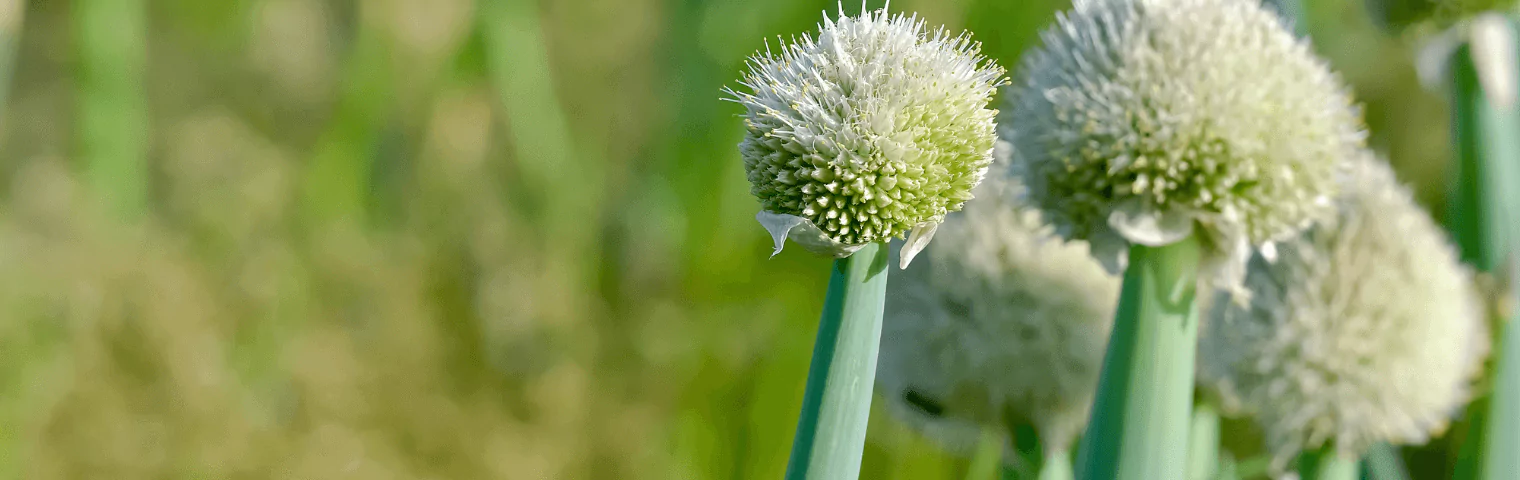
325, 360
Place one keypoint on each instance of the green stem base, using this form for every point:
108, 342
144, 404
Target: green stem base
1139, 426
1328, 465
1203, 443
1057, 466
831, 429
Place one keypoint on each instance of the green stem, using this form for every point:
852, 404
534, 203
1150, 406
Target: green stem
1487, 154
831, 429
1057, 466
1326, 464
1253, 467
1382, 462
1203, 443
988, 457
1482, 204
1228, 469
112, 123
1500, 440
1028, 451
1145, 392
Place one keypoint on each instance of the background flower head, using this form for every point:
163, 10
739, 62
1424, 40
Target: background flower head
874, 129
1003, 323
1365, 329
1147, 121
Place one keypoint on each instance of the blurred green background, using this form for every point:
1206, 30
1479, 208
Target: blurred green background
441, 238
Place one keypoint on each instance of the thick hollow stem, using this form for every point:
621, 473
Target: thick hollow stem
1382, 462
1057, 466
1139, 423
831, 430
1203, 443
1326, 464
1501, 439
1481, 220
986, 463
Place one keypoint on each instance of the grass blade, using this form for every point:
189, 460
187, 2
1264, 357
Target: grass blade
1492, 449
831, 430
338, 177
12, 13
1145, 393
110, 37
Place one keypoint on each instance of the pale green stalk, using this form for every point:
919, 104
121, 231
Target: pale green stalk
1203, 441
1481, 221
1057, 466
831, 429
1145, 393
1382, 462
988, 458
111, 127
1326, 464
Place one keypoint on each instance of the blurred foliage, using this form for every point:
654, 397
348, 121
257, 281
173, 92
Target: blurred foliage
450, 239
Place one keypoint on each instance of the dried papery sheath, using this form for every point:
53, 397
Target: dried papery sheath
1365, 329
1001, 323
874, 129
1146, 121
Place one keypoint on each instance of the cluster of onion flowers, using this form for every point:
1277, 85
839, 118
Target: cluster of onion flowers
1198, 147
999, 324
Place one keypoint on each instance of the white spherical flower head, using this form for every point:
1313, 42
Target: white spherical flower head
1365, 329
1145, 121
875, 129
1001, 323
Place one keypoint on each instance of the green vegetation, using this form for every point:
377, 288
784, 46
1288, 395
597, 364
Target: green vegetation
447, 238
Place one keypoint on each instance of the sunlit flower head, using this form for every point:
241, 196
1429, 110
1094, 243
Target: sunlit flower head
1001, 323
1365, 329
1145, 121
875, 129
